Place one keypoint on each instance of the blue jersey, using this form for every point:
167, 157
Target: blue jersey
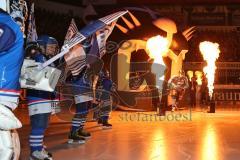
107, 84
11, 60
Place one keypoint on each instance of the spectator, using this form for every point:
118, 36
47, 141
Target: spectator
193, 90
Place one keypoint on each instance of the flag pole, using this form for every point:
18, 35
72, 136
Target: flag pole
107, 20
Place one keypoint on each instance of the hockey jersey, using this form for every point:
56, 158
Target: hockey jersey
40, 101
11, 58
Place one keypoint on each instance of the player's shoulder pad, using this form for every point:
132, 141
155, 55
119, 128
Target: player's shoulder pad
7, 37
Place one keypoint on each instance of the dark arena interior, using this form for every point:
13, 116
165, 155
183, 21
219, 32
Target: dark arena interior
119, 79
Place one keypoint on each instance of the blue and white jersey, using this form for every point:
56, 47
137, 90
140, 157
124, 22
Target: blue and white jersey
107, 84
81, 89
11, 58
40, 102
104, 92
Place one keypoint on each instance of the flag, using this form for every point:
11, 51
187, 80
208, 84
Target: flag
87, 32
100, 30
32, 31
97, 46
76, 57
102, 36
18, 6
14, 5
18, 13
65, 72
72, 31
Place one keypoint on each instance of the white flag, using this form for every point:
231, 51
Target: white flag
76, 58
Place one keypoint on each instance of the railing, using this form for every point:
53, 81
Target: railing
220, 65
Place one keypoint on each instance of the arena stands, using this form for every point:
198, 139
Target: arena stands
227, 37
56, 24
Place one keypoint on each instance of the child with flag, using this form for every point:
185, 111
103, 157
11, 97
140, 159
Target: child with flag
39, 102
84, 62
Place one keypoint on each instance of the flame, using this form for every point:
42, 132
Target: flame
199, 77
190, 74
158, 47
210, 52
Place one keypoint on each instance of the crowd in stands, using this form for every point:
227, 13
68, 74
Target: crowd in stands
55, 25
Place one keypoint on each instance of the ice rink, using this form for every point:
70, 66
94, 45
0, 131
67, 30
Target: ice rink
182, 135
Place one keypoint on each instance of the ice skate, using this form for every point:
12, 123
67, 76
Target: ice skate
84, 134
106, 125
74, 137
100, 122
41, 155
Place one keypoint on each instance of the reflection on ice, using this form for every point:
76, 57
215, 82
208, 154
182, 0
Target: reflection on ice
159, 150
210, 144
